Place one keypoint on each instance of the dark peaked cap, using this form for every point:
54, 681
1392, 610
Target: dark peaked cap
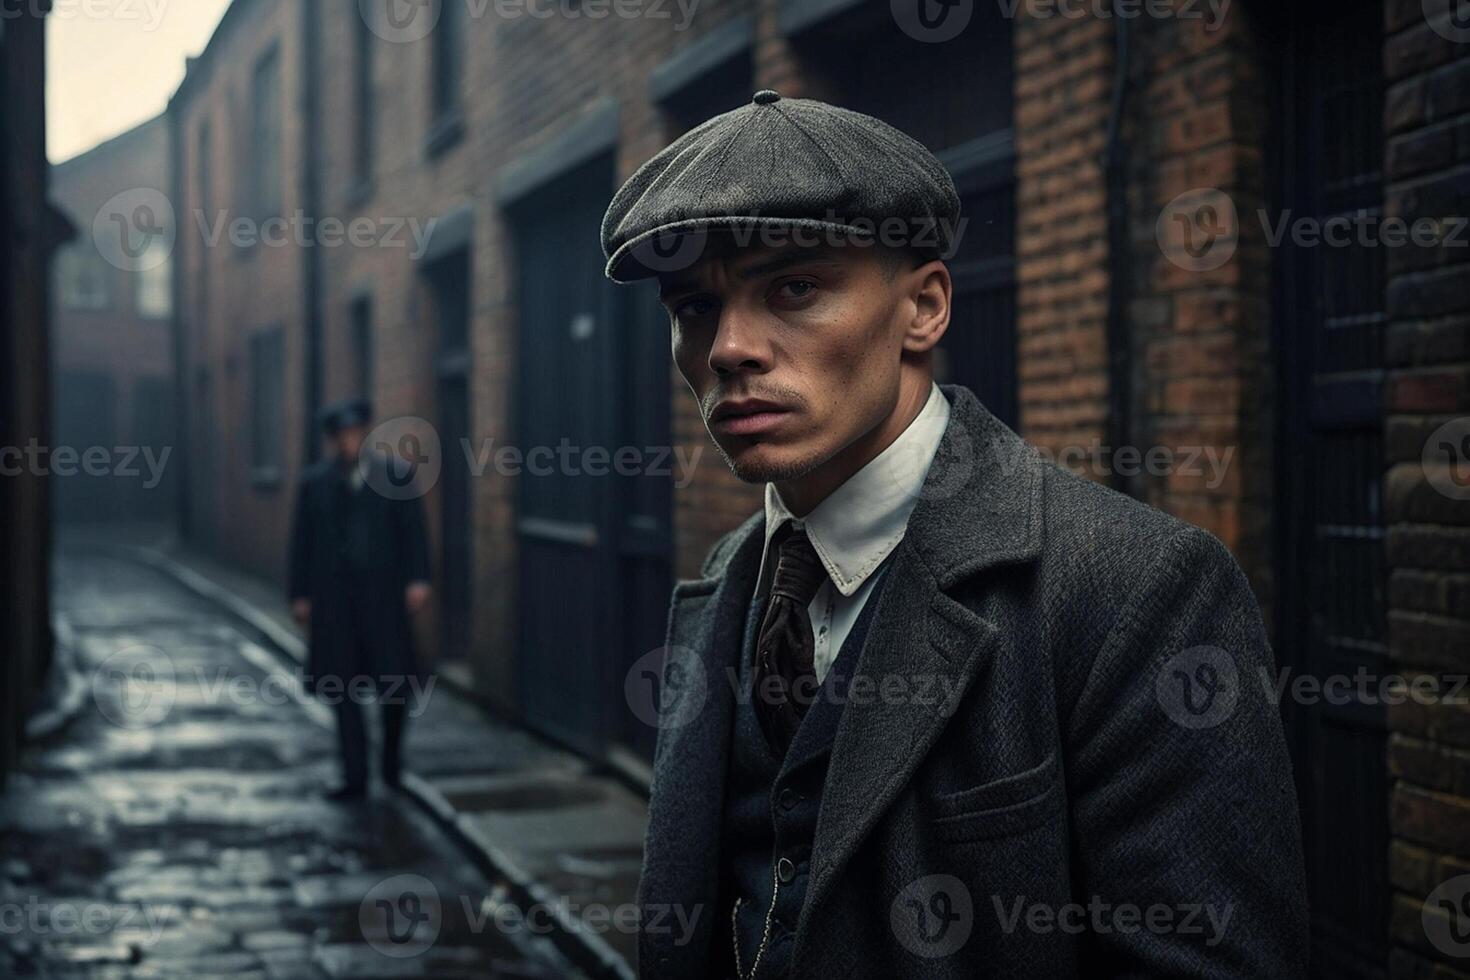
775, 161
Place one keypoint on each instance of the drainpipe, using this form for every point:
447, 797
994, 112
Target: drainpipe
310, 201
1115, 171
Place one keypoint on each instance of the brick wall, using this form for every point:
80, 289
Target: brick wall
231, 293
1202, 375
1427, 127
1063, 73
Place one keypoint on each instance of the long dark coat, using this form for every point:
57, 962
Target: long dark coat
362, 629
1065, 765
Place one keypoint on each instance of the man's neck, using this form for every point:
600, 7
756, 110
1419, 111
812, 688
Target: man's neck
803, 494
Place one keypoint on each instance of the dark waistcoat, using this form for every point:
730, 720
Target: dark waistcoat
771, 810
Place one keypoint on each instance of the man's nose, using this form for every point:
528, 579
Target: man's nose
740, 344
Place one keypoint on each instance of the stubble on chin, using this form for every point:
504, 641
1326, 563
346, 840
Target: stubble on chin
760, 471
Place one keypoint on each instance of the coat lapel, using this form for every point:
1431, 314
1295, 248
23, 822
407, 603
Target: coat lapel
980, 508
687, 797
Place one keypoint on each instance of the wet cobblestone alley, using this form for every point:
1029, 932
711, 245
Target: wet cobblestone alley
176, 827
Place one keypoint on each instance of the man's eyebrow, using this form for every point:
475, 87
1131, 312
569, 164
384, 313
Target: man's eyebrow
776, 264
784, 260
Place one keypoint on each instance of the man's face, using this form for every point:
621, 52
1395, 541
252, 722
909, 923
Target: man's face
347, 442
792, 352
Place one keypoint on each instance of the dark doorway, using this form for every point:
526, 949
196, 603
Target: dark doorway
594, 547
86, 412
1329, 331
449, 279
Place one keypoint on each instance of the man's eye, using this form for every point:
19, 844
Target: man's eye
691, 309
796, 289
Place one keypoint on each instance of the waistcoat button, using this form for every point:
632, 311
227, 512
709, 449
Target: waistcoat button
785, 871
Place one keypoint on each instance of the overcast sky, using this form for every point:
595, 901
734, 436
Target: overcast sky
112, 64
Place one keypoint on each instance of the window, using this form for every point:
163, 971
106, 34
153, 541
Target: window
152, 286
265, 133
267, 386
82, 278
362, 99
448, 37
362, 344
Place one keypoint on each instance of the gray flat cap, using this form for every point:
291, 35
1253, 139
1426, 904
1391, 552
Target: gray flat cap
812, 169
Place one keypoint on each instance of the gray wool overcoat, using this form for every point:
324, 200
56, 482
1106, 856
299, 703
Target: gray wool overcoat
1073, 770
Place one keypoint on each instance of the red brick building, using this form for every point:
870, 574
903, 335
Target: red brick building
1165, 283
112, 336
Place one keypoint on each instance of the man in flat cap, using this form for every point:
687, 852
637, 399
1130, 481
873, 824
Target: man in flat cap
359, 567
940, 708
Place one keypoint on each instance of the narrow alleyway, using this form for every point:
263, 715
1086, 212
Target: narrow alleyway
175, 828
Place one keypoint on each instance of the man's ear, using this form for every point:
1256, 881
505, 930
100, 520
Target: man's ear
930, 290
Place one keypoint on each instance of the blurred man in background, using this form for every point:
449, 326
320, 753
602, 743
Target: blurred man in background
359, 569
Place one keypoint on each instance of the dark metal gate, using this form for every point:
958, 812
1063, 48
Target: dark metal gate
594, 534
1330, 320
449, 278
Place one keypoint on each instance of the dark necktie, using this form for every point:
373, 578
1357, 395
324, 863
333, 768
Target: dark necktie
784, 680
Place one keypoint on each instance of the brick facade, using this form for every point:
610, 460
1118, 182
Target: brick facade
1427, 128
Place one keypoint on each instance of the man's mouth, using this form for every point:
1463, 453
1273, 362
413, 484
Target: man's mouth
747, 416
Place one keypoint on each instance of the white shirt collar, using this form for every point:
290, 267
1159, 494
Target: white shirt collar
862, 521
